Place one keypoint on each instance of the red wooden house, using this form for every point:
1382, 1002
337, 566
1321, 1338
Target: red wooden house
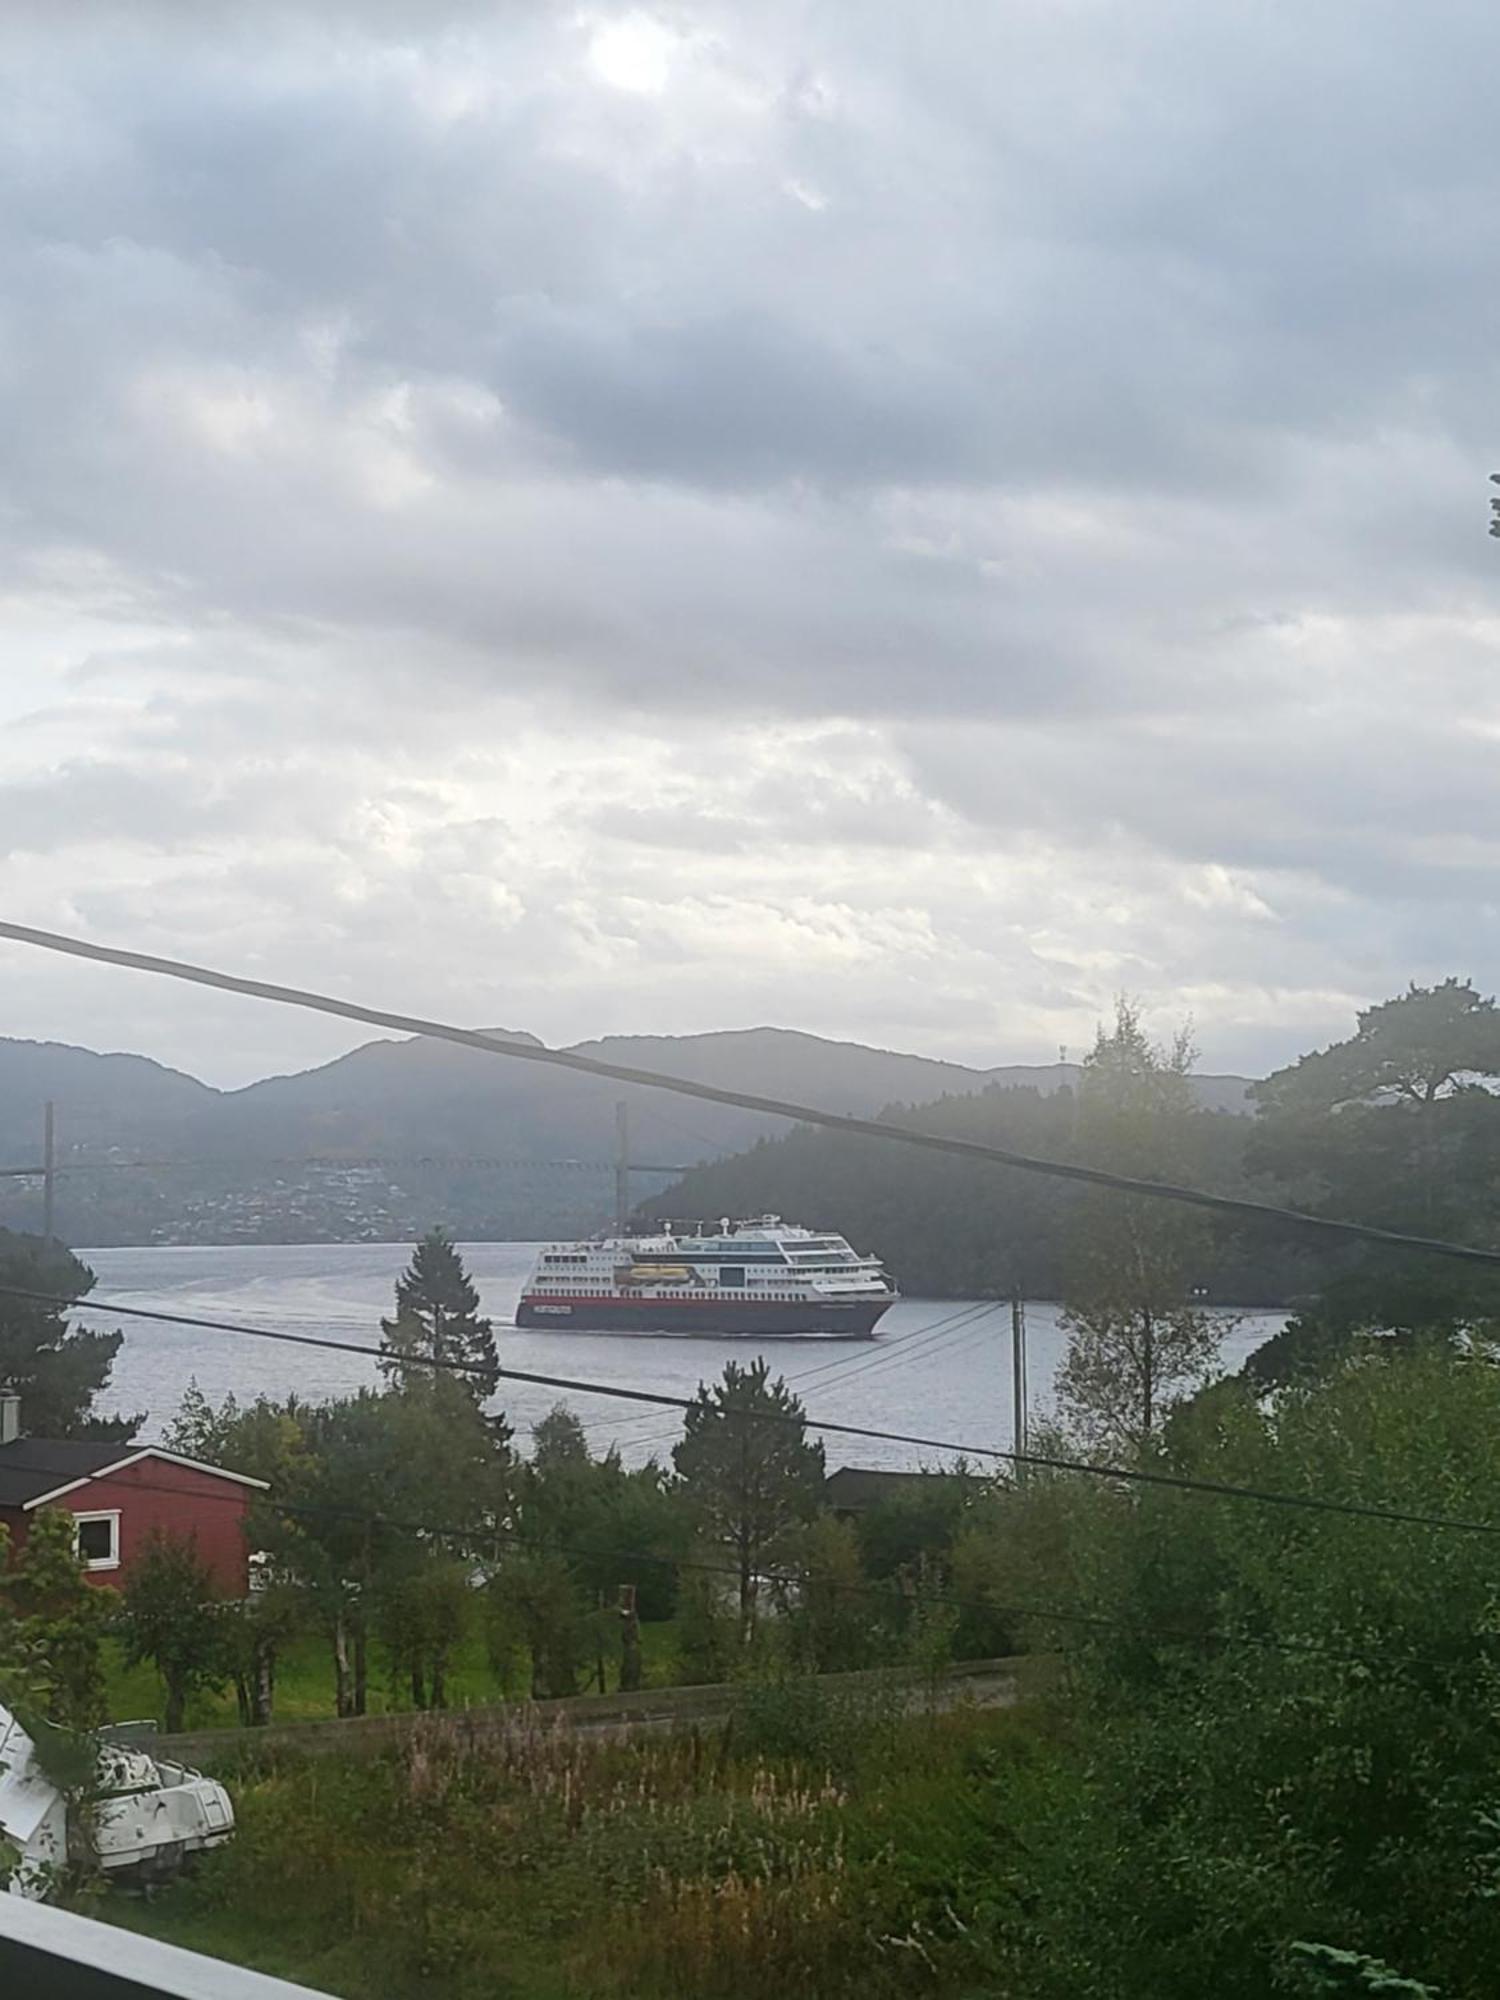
120, 1493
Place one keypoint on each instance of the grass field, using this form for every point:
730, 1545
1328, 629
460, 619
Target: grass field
304, 1682
822, 1842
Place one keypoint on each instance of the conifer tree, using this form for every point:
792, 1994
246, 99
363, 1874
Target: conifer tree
748, 1468
438, 1320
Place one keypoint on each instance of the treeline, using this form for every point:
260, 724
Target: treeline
954, 1228
1397, 1126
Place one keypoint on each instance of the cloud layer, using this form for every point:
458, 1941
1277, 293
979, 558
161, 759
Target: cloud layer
659, 518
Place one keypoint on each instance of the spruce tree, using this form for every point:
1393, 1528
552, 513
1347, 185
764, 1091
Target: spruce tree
438, 1320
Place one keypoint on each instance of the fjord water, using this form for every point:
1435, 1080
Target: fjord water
937, 1367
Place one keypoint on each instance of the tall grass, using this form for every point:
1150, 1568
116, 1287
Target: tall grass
751, 1860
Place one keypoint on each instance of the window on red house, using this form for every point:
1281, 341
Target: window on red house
99, 1541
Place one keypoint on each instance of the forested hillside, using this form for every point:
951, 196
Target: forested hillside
951, 1227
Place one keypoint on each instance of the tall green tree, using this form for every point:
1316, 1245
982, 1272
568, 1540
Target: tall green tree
1397, 1125
1137, 1341
172, 1617
1400, 1123
379, 1486
1428, 1044
748, 1468
612, 1524
56, 1369
438, 1320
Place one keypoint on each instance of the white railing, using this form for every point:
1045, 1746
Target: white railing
48, 1954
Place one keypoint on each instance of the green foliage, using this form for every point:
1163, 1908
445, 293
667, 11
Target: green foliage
348, 1481
748, 1468
1390, 1304
1136, 1340
832, 1623
544, 1866
424, 1609
56, 1369
947, 1231
535, 1608
1398, 1125
1287, 1724
826, 1729
1430, 1043
62, 1621
1322, 1969
923, 1518
171, 1616
612, 1526
710, 1647
438, 1320
255, 1632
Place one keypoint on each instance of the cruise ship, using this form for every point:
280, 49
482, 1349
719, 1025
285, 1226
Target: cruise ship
765, 1277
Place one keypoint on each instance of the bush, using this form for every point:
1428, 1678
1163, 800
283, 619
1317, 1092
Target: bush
805, 1721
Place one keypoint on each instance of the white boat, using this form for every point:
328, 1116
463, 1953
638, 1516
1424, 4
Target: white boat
762, 1278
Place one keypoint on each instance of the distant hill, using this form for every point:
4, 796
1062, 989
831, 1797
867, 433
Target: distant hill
225, 1163
108, 1097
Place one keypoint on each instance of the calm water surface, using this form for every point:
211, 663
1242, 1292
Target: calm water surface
939, 1367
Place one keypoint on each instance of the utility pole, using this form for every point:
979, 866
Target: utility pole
1018, 1390
49, 1170
622, 1167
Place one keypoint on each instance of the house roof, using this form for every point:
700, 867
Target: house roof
35, 1470
855, 1487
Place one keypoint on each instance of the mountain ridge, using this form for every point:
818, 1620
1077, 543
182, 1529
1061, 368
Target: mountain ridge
486, 1146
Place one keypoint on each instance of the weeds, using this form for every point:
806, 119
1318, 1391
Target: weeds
542, 1864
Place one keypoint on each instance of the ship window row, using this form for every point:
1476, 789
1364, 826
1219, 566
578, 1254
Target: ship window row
705, 1297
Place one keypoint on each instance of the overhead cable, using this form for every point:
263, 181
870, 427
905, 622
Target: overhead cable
1118, 1474
708, 1093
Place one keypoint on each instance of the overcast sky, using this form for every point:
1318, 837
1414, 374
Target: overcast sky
902, 521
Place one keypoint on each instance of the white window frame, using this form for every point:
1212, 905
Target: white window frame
112, 1560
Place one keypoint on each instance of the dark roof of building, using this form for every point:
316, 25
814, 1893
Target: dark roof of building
30, 1467
859, 1486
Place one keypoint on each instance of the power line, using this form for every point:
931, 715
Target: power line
916, 1338
920, 1346
1129, 1475
774, 1107
335, 1163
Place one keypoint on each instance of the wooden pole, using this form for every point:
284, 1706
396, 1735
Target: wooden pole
1018, 1388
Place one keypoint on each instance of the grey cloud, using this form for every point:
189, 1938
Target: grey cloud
1089, 404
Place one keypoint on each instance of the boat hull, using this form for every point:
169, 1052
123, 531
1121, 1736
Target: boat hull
751, 1319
